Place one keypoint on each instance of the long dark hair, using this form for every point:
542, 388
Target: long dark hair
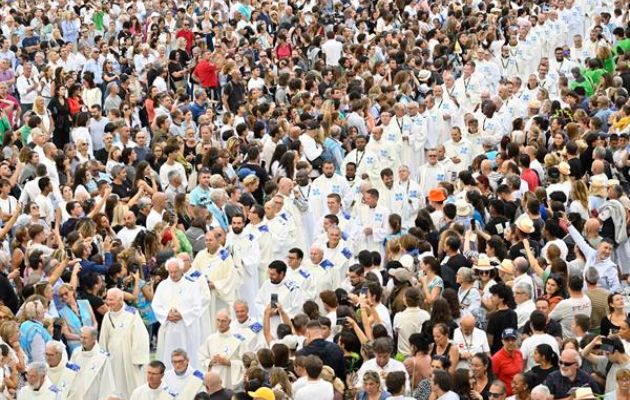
548, 354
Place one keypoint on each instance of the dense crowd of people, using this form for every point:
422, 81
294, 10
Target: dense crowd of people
299, 199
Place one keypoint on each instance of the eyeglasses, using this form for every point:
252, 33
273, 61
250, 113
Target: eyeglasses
484, 272
491, 394
566, 364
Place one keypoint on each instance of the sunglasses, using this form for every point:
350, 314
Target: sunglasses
491, 394
484, 272
566, 364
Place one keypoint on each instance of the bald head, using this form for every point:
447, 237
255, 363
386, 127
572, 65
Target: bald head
598, 167
467, 324
212, 382
285, 185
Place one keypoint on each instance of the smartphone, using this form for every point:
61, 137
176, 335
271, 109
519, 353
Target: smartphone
363, 292
274, 300
607, 345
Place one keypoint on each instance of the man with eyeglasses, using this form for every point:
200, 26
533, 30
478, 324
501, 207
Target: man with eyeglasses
569, 376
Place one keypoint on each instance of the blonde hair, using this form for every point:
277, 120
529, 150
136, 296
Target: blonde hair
118, 217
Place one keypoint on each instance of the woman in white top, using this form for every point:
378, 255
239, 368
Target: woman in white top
39, 109
579, 194
91, 94
81, 133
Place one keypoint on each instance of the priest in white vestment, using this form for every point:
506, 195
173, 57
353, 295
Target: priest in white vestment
432, 173
414, 198
95, 373
414, 138
387, 156
246, 254
244, 324
288, 292
202, 290
366, 161
290, 209
183, 381
155, 388
177, 306
329, 182
279, 228
38, 386
374, 222
217, 265
323, 274
458, 150
125, 338
61, 373
222, 351
260, 230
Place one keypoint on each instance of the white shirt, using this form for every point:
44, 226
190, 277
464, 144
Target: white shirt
406, 323
153, 218
23, 84
391, 366
319, 389
473, 344
333, 50
529, 345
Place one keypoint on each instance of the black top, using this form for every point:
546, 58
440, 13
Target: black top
223, 394
499, 321
330, 354
7, 294
607, 326
540, 374
123, 191
450, 269
576, 168
518, 250
263, 177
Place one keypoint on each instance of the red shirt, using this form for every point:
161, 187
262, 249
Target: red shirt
190, 38
206, 71
505, 367
531, 177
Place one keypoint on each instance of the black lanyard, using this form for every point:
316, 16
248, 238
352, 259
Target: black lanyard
358, 160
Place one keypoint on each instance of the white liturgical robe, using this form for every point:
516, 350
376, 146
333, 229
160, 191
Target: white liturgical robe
461, 150
265, 244
190, 386
96, 374
366, 162
47, 391
144, 392
124, 336
183, 297
246, 254
219, 269
203, 291
322, 187
64, 377
251, 330
290, 296
281, 240
387, 156
377, 219
226, 344
414, 137
431, 176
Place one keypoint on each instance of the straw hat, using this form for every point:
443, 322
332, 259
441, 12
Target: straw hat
506, 266
424, 75
584, 394
464, 209
525, 224
483, 263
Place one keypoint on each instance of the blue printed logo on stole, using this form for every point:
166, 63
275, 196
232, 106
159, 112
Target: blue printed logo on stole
347, 253
316, 192
384, 153
378, 217
336, 189
413, 193
369, 160
239, 337
345, 215
73, 367
263, 228
193, 276
440, 177
284, 217
398, 197
344, 235
463, 150
326, 265
224, 254
291, 285
304, 274
198, 374
391, 137
256, 327
251, 237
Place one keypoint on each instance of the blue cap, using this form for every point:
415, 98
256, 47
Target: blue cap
509, 333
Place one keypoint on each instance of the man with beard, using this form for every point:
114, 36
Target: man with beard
128, 234
288, 293
246, 253
326, 184
364, 160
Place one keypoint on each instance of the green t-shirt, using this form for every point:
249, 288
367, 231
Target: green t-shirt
586, 84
